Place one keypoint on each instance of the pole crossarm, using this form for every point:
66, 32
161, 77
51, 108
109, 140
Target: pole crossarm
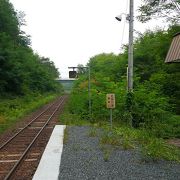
75, 67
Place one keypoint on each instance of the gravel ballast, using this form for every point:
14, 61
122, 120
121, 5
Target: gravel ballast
83, 159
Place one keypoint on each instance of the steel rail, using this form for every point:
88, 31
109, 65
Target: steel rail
30, 145
9, 140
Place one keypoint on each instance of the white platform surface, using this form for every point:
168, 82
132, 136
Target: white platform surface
48, 168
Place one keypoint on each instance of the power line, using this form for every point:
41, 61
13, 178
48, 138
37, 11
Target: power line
124, 23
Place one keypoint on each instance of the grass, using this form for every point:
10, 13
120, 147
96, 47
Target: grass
92, 132
67, 118
66, 136
106, 152
127, 144
76, 147
170, 128
151, 147
146, 141
13, 109
157, 149
72, 120
110, 138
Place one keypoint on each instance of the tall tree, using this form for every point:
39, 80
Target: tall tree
168, 9
8, 19
21, 71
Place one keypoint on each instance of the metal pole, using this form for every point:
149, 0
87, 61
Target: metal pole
111, 118
130, 50
89, 91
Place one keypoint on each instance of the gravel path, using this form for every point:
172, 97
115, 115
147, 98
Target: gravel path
82, 159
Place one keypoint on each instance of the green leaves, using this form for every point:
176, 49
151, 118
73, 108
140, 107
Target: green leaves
160, 9
8, 19
21, 71
156, 86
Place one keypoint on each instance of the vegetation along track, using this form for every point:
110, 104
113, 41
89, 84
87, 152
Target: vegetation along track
20, 154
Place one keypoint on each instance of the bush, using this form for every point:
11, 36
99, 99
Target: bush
149, 107
11, 110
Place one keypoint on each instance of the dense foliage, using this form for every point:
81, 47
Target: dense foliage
21, 70
154, 103
27, 81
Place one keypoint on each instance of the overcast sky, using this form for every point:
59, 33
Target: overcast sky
69, 32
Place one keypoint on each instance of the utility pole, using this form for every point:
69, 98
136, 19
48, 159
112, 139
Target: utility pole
130, 50
130, 55
130, 18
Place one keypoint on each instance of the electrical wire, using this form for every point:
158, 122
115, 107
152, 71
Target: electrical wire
124, 23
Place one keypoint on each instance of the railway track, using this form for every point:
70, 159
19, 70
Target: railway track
20, 154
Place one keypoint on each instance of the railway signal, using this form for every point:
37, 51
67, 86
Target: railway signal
72, 74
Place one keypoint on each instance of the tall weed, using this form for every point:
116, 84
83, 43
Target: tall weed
11, 110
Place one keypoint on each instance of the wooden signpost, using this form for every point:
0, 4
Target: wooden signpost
110, 104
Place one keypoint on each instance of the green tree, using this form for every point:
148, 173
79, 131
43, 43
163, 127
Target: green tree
8, 19
108, 65
156, 84
21, 71
169, 9
81, 69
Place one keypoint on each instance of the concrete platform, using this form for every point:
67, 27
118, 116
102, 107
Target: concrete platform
48, 168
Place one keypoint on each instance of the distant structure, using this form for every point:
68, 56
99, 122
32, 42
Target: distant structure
173, 54
67, 84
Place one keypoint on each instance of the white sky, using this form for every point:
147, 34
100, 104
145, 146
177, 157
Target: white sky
69, 32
